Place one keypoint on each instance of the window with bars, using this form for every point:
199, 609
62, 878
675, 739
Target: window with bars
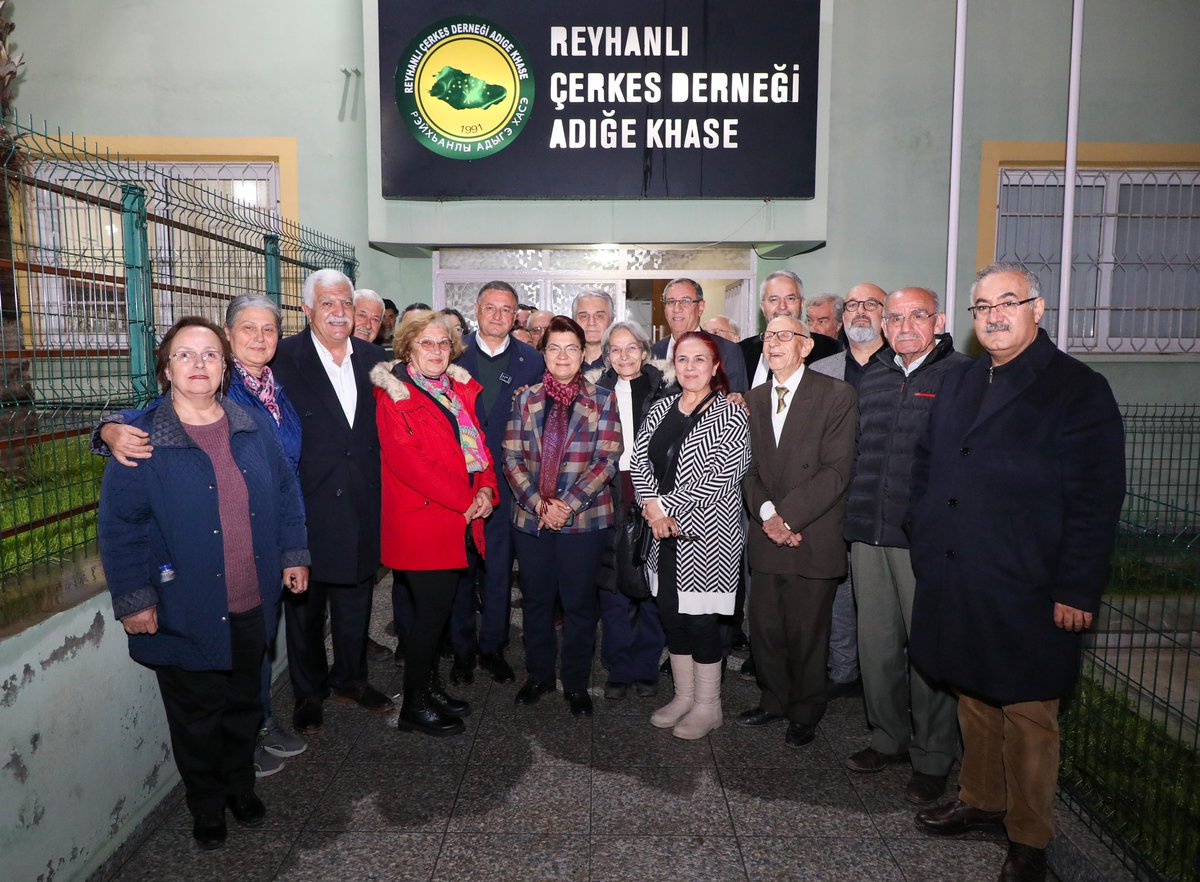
1135, 285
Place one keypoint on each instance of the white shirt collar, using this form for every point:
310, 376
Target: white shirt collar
908, 369
327, 354
488, 349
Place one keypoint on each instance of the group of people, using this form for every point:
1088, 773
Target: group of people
893, 516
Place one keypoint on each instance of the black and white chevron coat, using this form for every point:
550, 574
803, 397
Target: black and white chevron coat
706, 501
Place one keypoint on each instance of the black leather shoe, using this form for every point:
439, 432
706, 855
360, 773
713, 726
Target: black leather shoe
739, 643
615, 691
419, 714
758, 716
958, 817
208, 829
531, 692
579, 702
495, 664
365, 696
1024, 864
447, 703
462, 671
834, 690
377, 651
308, 716
645, 688
748, 671
871, 760
799, 734
247, 809
923, 789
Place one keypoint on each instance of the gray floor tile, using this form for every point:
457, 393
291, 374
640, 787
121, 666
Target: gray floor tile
809, 802
379, 855
623, 741
387, 744
650, 799
293, 794
764, 747
405, 799
947, 860
523, 799
640, 858
816, 859
248, 855
513, 858
520, 740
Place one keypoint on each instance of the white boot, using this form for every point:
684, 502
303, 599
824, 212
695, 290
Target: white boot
705, 714
671, 713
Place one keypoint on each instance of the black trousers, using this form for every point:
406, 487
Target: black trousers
432, 593
214, 716
700, 636
790, 617
350, 619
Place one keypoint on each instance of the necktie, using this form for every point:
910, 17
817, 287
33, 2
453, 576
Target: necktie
782, 392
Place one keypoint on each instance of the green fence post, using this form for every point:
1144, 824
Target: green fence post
139, 304
349, 267
274, 276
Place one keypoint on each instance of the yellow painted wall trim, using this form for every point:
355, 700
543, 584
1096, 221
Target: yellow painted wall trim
282, 151
996, 155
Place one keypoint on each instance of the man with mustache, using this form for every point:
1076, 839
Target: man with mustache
1016, 496
910, 718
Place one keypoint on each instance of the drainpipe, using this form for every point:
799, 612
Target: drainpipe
1066, 265
960, 75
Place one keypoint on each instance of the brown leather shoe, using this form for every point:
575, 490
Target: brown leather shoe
958, 817
365, 696
1024, 864
923, 789
871, 760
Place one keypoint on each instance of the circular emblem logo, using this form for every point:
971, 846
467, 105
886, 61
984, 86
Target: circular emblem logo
464, 88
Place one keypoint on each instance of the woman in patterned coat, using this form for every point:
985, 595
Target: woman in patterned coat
688, 462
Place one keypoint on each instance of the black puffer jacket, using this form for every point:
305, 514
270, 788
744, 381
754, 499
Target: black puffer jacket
893, 411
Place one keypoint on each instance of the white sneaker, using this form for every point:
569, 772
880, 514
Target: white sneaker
276, 740
265, 764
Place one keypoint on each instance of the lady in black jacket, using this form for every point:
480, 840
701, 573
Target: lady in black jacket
633, 638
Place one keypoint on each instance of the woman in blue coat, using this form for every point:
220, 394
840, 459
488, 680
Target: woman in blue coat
196, 543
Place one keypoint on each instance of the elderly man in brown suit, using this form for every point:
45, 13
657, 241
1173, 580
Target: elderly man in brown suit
802, 427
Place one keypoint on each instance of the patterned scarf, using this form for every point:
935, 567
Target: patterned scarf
469, 437
262, 389
554, 435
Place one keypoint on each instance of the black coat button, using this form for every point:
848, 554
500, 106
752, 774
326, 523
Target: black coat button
950, 555
952, 502
966, 451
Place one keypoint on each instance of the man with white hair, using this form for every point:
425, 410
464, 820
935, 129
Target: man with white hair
723, 326
594, 310
368, 314
326, 377
536, 324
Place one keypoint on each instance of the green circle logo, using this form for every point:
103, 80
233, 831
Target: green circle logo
464, 88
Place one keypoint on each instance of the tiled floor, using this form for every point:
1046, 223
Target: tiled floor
535, 794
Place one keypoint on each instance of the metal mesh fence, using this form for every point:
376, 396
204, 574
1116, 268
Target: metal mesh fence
1131, 766
98, 257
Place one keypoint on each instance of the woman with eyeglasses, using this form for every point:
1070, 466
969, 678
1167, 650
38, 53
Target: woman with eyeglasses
197, 542
561, 449
691, 454
438, 487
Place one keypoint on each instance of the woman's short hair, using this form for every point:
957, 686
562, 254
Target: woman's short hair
466, 325
253, 301
162, 354
414, 323
561, 324
720, 380
633, 329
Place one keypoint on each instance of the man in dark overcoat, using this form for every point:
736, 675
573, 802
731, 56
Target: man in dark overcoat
325, 374
1017, 492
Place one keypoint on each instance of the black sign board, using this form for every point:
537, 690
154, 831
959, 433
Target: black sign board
613, 100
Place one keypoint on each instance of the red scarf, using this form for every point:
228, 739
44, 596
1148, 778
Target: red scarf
559, 398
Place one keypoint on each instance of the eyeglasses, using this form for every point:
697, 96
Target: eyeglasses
917, 315
675, 302
631, 349
434, 345
782, 336
555, 349
790, 300
1004, 307
867, 305
498, 310
187, 357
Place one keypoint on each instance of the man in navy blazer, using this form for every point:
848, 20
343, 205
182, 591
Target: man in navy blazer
326, 378
683, 302
502, 365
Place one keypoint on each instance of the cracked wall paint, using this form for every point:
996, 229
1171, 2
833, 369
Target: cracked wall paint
11, 686
72, 644
17, 767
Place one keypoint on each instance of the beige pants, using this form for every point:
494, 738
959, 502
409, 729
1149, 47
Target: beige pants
1010, 764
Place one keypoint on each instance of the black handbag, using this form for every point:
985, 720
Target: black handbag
632, 549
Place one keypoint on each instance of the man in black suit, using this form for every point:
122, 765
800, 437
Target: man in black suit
683, 302
502, 365
780, 294
325, 375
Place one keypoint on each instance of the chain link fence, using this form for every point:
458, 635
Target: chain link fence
99, 255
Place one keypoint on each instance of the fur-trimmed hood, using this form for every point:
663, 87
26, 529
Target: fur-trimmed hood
383, 375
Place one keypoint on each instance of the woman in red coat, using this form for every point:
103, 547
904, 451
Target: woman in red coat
438, 486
